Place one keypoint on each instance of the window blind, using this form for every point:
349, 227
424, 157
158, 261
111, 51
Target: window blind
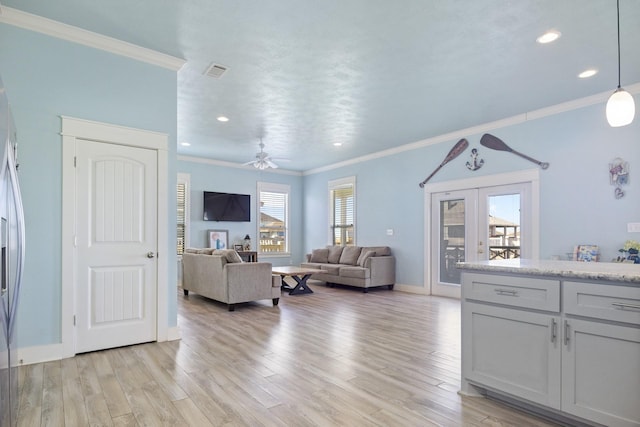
343, 215
181, 217
273, 222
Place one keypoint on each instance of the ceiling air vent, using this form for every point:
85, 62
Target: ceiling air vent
215, 70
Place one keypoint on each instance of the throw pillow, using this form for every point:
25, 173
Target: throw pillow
365, 256
320, 256
334, 254
229, 254
350, 255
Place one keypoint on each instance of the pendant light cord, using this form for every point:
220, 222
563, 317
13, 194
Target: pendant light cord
618, 3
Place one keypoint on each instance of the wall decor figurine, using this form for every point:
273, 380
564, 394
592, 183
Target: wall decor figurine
496, 143
474, 164
453, 153
618, 176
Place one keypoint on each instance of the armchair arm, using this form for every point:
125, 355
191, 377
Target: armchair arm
248, 281
383, 270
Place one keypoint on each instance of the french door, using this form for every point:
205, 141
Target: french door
484, 223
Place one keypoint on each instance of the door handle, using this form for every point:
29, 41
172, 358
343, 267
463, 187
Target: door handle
554, 330
566, 332
150, 254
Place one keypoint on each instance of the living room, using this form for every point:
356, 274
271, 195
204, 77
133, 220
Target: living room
48, 77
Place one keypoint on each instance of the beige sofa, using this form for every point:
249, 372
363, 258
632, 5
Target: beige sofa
221, 275
364, 267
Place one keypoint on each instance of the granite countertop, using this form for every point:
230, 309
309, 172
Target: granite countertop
611, 271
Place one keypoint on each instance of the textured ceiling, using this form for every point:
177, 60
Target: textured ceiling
370, 74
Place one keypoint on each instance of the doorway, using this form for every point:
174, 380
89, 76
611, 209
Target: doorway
113, 231
490, 218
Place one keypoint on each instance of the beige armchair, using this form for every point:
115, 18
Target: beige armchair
212, 275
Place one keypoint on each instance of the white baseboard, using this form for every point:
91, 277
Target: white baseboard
173, 334
411, 289
40, 353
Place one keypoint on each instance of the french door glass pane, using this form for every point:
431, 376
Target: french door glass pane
504, 226
452, 239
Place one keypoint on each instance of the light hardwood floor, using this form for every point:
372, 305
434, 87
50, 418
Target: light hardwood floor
335, 357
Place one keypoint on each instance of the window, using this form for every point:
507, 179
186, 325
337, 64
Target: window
273, 222
342, 194
182, 216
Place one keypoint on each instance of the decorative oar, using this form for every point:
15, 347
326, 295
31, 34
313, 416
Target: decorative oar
496, 143
455, 152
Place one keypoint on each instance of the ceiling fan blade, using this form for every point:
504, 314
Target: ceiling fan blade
271, 164
249, 163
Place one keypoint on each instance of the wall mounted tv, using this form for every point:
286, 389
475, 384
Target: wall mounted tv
227, 207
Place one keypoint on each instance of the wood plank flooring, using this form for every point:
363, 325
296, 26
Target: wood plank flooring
337, 357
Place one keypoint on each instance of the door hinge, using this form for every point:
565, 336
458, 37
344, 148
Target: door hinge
74, 161
74, 320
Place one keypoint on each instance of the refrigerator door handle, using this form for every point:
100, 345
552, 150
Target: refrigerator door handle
17, 198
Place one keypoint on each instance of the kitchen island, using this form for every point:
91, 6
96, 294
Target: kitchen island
560, 338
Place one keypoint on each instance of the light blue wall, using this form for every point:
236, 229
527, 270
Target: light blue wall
45, 78
577, 204
211, 177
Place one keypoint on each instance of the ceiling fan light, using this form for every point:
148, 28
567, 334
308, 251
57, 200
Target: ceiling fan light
620, 108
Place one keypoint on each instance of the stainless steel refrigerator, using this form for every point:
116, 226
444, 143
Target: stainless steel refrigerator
11, 261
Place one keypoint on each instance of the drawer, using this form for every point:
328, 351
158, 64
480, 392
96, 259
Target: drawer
609, 302
515, 291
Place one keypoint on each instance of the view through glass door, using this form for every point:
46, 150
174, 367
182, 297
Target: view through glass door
488, 223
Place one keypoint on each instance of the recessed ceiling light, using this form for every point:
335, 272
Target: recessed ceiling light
588, 73
548, 37
185, 144
337, 144
223, 119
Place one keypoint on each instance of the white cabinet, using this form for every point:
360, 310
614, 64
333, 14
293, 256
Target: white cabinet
601, 372
519, 352
580, 359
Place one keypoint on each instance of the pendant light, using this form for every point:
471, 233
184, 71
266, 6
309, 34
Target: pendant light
620, 106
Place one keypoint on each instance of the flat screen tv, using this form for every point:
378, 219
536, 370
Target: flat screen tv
227, 207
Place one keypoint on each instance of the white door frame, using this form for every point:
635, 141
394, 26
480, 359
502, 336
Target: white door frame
73, 129
529, 175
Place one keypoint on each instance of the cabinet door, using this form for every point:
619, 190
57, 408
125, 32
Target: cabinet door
601, 372
514, 351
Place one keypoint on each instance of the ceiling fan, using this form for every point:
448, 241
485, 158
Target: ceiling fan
263, 160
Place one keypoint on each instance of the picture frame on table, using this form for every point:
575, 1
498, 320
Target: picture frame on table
238, 248
218, 239
586, 253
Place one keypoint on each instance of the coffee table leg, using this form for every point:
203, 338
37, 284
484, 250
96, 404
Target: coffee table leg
301, 287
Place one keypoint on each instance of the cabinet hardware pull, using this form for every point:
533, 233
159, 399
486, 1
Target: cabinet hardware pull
622, 306
507, 292
554, 330
566, 332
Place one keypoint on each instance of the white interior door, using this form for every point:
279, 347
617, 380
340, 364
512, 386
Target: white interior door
488, 223
116, 245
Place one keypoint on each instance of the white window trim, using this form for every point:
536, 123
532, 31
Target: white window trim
185, 178
335, 185
275, 188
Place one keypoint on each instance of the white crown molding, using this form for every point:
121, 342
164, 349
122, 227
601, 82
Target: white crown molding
235, 165
483, 128
73, 34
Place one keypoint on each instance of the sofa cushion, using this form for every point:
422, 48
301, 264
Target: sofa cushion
334, 254
333, 269
350, 255
320, 255
205, 251
364, 256
230, 255
379, 250
355, 272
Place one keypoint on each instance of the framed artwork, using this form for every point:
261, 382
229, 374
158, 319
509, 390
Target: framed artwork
238, 248
586, 253
218, 239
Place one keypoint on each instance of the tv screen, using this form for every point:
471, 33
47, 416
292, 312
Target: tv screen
227, 207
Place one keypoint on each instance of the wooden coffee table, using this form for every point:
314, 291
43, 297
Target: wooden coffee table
300, 275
